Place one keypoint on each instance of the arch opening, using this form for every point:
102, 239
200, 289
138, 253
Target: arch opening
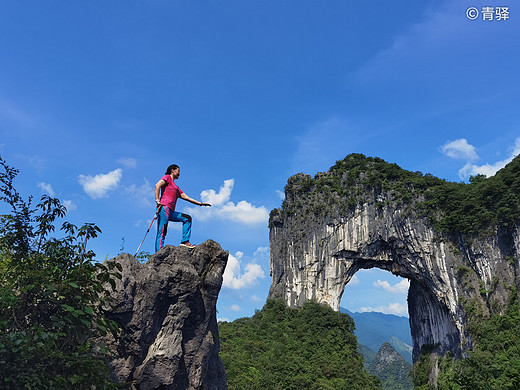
377, 301
317, 260
433, 326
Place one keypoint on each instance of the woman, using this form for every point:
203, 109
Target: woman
166, 195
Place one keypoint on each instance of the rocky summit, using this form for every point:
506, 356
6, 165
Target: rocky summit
166, 310
457, 243
391, 368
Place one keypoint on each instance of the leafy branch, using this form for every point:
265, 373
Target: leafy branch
51, 297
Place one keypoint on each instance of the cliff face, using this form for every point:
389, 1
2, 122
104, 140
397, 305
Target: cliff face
327, 231
166, 309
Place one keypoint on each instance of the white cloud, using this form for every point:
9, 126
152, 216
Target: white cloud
143, 192
234, 279
281, 194
46, 188
235, 308
353, 281
399, 288
488, 169
515, 150
223, 195
174, 226
39, 163
69, 205
223, 319
397, 309
460, 149
128, 162
243, 212
98, 186
262, 252
255, 298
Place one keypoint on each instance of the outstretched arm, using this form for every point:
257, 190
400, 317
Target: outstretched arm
187, 198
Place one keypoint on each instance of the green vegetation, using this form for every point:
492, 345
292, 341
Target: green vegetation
312, 347
392, 369
368, 354
470, 209
494, 362
51, 293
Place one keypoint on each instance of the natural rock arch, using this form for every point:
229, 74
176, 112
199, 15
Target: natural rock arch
315, 252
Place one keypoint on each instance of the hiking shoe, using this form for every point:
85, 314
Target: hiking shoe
188, 245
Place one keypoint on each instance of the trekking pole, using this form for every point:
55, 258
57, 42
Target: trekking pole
149, 227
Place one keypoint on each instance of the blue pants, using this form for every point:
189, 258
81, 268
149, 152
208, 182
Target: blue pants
166, 215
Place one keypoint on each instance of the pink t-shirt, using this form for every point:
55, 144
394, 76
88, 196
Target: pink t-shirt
170, 193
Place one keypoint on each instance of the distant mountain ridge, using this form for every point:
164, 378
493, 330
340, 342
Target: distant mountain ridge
373, 329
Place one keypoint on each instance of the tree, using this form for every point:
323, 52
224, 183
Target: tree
312, 347
51, 297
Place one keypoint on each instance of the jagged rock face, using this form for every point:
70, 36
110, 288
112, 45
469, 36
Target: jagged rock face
314, 254
389, 365
166, 309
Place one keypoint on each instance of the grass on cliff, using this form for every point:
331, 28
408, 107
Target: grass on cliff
468, 208
312, 347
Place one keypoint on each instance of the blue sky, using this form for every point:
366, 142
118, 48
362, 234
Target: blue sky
97, 98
